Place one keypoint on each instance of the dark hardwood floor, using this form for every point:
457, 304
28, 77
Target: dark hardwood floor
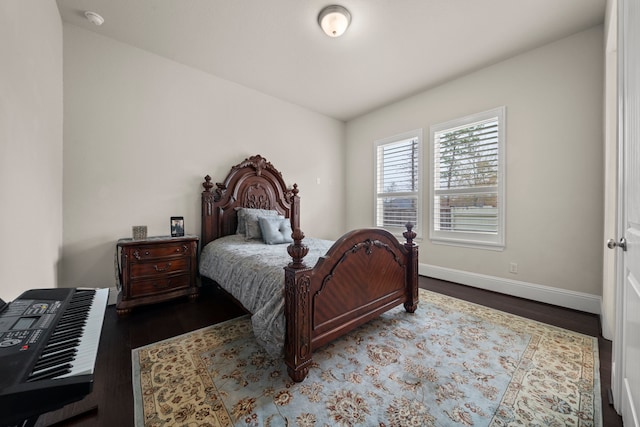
112, 393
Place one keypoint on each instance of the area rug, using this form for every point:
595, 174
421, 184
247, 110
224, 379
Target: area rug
452, 363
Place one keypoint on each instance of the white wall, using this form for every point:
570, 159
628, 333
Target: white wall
30, 145
554, 101
141, 132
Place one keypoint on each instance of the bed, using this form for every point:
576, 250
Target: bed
325, 289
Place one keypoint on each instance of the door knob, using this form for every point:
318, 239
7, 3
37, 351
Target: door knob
622, 244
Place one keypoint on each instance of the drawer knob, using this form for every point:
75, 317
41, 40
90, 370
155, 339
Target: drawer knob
161, 269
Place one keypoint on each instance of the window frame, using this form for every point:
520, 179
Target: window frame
417, 134
488, 241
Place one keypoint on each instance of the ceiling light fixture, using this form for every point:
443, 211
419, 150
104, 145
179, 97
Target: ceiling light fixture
334, 20
94, 18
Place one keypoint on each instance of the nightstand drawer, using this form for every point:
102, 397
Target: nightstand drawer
145, 253
160, 267
161, 284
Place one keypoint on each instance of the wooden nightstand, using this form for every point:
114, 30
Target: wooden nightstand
156, 269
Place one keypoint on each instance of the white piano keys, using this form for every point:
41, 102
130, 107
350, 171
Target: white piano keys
85, 358
85, 343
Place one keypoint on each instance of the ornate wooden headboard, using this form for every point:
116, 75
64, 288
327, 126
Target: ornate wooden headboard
254, 183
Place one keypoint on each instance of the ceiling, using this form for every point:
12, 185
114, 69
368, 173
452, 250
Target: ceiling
393, 48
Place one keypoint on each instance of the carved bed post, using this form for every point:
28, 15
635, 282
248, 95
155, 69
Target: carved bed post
207, 211
297, 346
297, 342
210, 225
297, 250
411, 304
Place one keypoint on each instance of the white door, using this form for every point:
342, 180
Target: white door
626, 369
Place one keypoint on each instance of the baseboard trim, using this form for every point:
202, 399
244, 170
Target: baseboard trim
564, 298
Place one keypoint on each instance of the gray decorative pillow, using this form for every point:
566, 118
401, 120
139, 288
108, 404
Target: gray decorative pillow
242, 212
252, 226
275, 230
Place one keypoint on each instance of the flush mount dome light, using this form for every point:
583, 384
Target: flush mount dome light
334, 20
94, 18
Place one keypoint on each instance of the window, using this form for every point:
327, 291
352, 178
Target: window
467, 205
398, 182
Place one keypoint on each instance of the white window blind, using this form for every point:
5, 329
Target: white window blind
468, 197
398, 181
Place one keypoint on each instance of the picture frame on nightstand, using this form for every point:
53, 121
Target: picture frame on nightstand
177, 226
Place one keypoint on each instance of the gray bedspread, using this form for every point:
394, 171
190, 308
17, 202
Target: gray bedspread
253, 273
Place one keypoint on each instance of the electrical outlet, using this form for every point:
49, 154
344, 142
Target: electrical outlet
513, 268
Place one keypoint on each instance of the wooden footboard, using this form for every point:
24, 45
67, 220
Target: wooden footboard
365, 273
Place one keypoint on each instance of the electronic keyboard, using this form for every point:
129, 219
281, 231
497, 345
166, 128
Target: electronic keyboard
48, 345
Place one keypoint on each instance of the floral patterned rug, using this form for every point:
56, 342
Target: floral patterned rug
451, 363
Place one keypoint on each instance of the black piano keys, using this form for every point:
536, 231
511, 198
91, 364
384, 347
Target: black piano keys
60, 349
